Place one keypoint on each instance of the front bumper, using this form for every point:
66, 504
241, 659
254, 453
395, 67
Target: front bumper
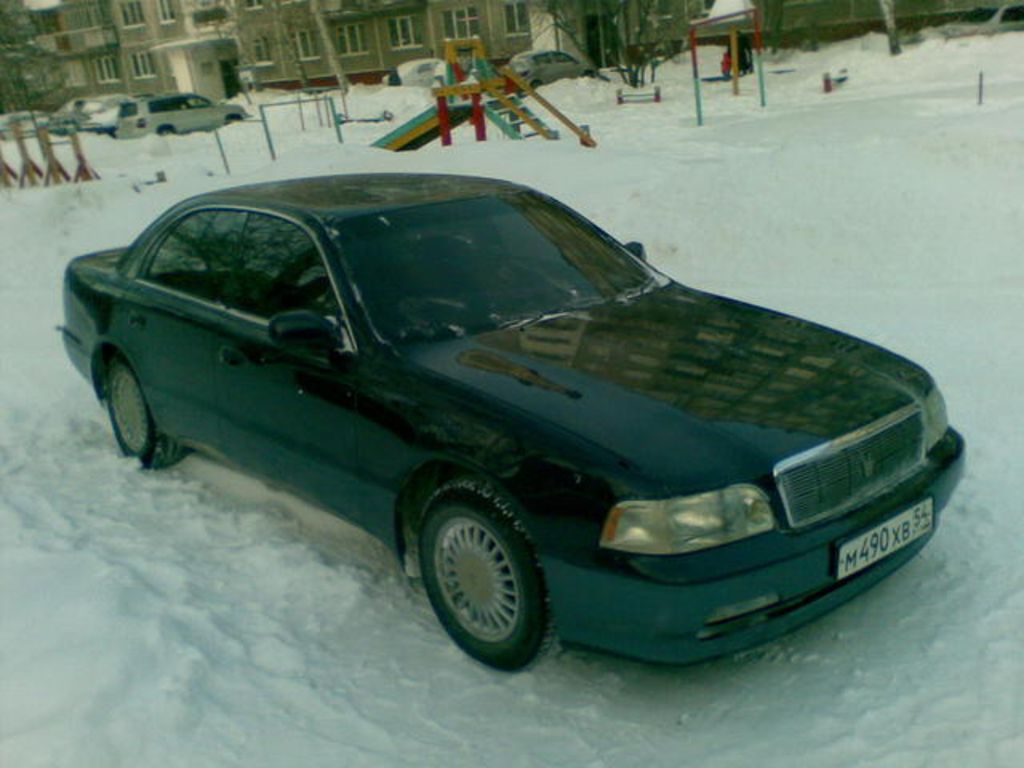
664, 609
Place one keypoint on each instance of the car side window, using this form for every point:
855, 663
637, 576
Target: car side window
279, 269
196, 256
1013, 13
196, 102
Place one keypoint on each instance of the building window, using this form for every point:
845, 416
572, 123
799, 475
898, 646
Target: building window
167, 13
132, 15
461, 22
261, 50
253, 5
517, 18
107, 70
351, 40
404, 32
142, 65
306, 45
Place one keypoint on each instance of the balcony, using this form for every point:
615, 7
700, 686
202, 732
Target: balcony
206, 16
362, 8
79, 40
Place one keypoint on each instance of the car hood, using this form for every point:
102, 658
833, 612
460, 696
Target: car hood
690, 389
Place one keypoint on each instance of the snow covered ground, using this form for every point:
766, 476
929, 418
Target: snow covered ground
195, 617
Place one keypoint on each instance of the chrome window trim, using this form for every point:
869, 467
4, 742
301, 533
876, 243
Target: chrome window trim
146, 262
838, 445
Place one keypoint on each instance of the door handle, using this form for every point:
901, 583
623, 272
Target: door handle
233, 357
135, 320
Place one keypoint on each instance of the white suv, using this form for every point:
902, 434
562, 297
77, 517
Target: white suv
987, 21
173, 113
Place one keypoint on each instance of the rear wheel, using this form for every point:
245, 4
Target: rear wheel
165, 130
129, 414
482, 576
132, 422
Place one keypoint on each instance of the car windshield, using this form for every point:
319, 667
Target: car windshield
466, 266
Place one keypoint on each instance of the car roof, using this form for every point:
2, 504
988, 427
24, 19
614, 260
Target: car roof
344, 196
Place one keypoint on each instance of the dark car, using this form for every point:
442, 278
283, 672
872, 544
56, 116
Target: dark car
558, 439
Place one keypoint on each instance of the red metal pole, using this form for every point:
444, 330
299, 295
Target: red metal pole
693, 50
478, 118
444, 121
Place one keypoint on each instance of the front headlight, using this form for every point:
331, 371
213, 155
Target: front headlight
935, 420
688, 523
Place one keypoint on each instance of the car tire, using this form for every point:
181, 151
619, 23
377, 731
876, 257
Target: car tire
482, 576
234, 117
132, 422
165, 130
536, 83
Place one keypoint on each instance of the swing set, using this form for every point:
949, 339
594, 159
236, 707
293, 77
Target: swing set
734, 22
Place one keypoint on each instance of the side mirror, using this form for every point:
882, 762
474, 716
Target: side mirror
637, 249
303, 329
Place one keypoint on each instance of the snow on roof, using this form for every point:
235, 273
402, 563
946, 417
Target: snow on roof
728, 7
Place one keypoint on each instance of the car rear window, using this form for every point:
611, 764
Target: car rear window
128, 109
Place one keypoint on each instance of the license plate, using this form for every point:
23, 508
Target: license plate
882, 540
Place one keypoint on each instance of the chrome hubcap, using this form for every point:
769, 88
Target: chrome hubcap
129, 410
477, 579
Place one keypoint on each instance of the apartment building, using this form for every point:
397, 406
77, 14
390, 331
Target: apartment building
210, 46
281, 43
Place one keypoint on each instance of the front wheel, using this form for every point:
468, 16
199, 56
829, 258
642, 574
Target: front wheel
482, 576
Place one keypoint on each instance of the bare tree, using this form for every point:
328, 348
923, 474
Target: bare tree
632, 35
888, 8
28, 78
327, 43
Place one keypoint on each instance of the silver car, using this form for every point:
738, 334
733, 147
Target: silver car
542, 67
92, 114
174, 113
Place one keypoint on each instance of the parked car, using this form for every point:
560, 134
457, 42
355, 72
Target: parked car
542, 67
987, 21
555, 436
91, 114
424, 73
174, 113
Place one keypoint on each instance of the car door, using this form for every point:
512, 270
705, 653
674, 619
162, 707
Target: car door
170, 332
287, 415
199, 114
564, 66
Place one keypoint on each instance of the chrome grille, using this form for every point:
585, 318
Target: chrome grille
831, 479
